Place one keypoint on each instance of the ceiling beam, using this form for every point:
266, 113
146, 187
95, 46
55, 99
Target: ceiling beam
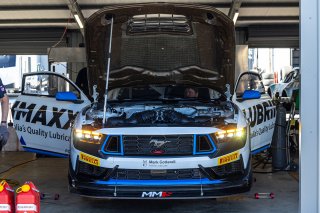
269, 4
268, 18
35, 21
83, 6
99, 6
32, 7
77, 14
234, 10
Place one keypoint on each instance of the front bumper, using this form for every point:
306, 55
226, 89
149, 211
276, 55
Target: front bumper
161, 189
161, 192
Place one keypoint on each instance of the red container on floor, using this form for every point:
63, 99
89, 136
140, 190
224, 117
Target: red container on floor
27, 199
6, 198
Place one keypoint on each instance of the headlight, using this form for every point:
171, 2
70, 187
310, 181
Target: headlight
231, 135
87, 136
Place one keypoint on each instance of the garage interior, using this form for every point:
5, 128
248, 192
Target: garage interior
43, 27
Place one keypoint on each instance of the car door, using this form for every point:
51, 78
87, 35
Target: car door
260, 111
41, 121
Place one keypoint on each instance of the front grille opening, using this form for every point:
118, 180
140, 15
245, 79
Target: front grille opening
113, 145
203, 144
164, 145
171, 174
233, 168
159, 23
88, 170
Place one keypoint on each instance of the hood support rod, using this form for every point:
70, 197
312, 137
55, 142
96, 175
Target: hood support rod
107, 74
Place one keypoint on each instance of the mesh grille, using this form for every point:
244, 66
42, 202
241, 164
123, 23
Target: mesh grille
159, 23
159, 53
158, 145
180, 174
90, 170
230, 168
133, 174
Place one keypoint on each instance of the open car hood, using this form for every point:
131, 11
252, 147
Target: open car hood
160, 43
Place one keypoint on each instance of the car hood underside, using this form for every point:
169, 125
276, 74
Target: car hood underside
160, 43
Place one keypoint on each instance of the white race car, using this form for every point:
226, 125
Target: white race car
290, 83
144, 135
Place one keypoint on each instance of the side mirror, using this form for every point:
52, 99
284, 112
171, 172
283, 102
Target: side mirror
251, 94
67, 96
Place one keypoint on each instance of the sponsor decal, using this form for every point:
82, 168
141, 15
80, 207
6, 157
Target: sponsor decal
145, 163
156, 194
89, 159
42, 132
157, 163
228, 158
43, 115
262, 130
260, 113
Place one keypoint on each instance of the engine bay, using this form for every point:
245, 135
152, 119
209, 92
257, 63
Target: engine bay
163, 114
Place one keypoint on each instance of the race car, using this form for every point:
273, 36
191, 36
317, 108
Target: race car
290, 83
167, 119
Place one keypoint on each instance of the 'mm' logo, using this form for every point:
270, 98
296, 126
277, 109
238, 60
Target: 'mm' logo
156, 194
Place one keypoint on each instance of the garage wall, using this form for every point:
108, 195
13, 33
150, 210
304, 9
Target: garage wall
29, 41
75, 38
36, 41
275, 36
241, 62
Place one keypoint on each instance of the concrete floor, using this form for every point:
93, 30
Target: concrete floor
50, 176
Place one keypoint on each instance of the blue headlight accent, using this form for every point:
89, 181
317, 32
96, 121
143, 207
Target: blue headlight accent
194, 144
204, 181
214, 148
106, 142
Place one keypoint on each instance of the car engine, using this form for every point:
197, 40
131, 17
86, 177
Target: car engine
187, 114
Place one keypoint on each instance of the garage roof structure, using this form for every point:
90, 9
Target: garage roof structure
39, 24
34, 13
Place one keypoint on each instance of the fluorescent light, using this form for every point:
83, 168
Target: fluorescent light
235, 17
76, 16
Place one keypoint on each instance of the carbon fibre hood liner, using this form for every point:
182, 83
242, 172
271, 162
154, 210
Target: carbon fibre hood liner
161, 43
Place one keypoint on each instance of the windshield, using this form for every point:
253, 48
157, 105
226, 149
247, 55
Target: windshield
156, 92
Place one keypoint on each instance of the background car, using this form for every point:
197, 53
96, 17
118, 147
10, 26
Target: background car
290, 83
288, 88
